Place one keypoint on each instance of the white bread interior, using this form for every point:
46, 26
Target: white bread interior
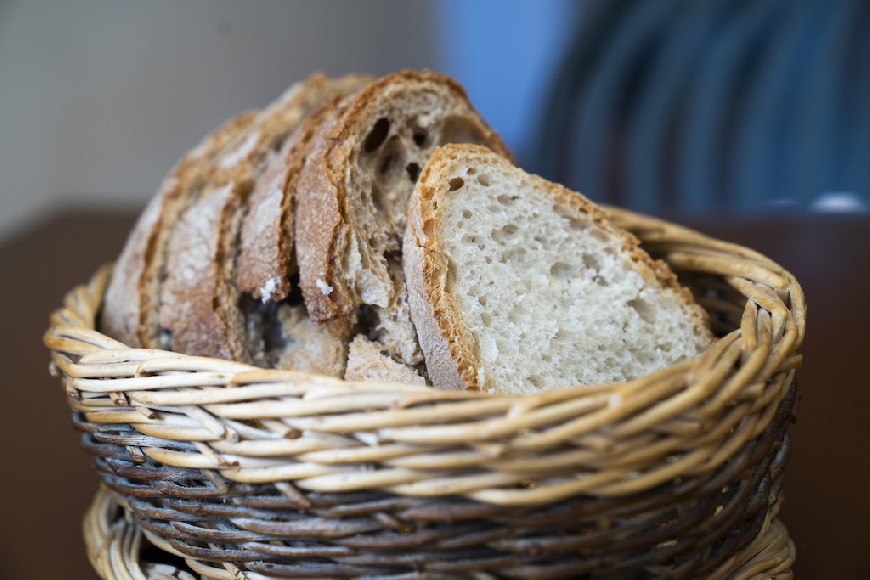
518, 285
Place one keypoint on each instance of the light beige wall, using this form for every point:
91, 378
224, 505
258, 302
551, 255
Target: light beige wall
98, 98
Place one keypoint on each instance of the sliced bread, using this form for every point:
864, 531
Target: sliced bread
203, 312
132, 302
353, 191
266, 250
518, 285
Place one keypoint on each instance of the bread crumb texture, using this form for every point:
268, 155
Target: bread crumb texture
366, 361
547, 293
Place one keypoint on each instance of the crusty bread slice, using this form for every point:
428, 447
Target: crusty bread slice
266, 251
202, 309
132, 298
353, 191
518, 285
195, 315
367, 362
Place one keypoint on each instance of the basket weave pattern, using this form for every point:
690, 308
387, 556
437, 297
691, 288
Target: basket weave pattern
118, 550
249, 473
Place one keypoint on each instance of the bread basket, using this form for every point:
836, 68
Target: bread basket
248, 473
117, 549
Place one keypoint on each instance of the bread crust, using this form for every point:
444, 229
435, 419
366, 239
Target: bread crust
323, 229
449, 359
132, 294
266, 255
200, 297
193, 308
441, 328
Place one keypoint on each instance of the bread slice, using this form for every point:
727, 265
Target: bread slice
266, 251
518, 285
202, 310
354, 189
133, 299
367, 362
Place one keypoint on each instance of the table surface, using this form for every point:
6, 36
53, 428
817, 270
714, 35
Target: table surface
47, 482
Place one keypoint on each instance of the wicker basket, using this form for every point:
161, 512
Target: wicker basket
255, 474
118, 551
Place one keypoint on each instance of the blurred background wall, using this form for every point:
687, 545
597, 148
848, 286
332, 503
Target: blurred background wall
663, 106
99, 98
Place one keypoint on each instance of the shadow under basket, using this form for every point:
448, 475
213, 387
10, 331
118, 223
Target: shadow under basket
216, 469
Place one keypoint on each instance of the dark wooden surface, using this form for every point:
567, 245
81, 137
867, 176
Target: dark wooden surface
47, 482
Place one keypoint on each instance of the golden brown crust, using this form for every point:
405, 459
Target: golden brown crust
322, 226
266, 256
264, 260
449, 362
319, 232
440, 327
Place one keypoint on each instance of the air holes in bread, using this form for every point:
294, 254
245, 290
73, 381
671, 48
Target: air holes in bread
451, 273
503, 234
507, 200
378, 202
391, 159
378, 135
477, 241
645, 310
591, 262
420, 137
517, 254
562, 270
456, 183
413, 170
576, 224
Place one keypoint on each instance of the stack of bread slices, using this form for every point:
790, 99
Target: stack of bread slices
378, 229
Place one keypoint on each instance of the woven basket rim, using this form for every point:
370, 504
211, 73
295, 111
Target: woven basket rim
263, 426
